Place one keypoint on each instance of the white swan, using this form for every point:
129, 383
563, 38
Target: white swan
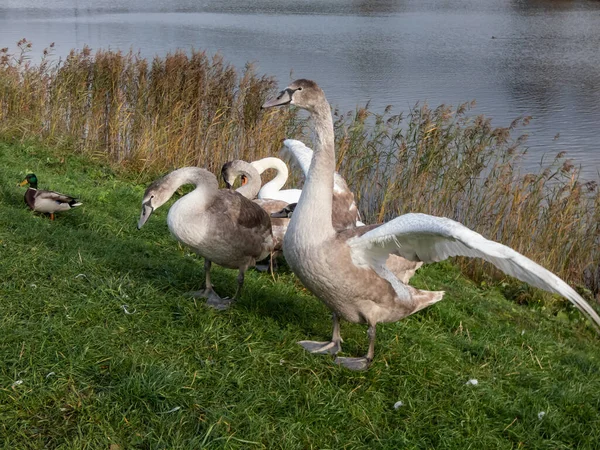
272, 189
359, 287
220, 225
344, 207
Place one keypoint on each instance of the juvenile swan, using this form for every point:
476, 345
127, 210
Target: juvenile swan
345, 211
220, 225
250, 187
359, 287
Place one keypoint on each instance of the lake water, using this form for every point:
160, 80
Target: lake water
514, 57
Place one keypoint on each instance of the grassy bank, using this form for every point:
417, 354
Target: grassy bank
151, 116
80, 372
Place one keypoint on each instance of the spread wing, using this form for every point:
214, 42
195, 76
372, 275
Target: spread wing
420, 237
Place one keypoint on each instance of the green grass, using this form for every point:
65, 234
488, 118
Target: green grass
93, 376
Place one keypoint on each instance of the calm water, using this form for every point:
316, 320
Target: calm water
538, 58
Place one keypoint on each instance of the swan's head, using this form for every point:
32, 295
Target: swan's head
233, 169
305, 94
155, 196
285, 213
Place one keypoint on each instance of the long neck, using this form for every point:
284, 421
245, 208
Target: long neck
253, 183
206, 185
315, 205
276, 183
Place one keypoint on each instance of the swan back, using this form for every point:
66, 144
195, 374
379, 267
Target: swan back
231, 171
220, 225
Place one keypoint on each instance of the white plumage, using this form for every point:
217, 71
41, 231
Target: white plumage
421, 237
300, 156
272, 189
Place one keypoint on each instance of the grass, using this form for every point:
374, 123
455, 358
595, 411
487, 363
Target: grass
80, 372
152, 116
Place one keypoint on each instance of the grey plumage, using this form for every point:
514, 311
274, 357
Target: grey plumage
359, 286
220, 225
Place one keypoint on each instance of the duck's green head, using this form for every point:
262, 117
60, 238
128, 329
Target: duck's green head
30, 179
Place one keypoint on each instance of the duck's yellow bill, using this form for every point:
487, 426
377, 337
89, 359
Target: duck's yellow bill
23, 183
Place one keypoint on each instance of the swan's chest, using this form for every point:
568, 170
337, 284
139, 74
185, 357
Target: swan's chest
319, 270
187, 227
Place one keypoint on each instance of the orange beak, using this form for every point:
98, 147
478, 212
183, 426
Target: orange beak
23, 183
244, 179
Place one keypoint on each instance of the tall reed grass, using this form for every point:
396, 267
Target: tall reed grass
192, 109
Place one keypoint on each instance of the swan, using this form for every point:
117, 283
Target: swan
359, 287
250, 188
46, 201
343, 215
281, 212
344, 207
272, 189
220, 225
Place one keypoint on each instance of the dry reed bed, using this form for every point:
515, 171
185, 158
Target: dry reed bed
192, 109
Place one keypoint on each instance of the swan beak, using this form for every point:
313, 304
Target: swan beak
283, 98
279, 214
147, 210
23, 183
285, 212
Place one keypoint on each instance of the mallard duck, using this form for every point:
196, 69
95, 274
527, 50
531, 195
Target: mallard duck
46, 201
220, 225
347, 270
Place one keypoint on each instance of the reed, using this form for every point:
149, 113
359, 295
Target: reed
194, 109
183, 109
446, 162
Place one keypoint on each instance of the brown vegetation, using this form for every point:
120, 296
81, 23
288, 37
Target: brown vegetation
192, 109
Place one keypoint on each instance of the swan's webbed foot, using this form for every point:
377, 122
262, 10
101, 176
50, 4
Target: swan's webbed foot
356, 364
212, 299
323, 348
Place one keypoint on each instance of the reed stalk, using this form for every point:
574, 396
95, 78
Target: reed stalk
195, 109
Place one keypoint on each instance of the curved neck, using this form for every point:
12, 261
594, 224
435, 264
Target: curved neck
314, 208
206, 184
252, 186
276, 183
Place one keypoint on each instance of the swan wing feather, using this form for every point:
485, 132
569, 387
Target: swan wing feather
301, 156
297, 154
421, 237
